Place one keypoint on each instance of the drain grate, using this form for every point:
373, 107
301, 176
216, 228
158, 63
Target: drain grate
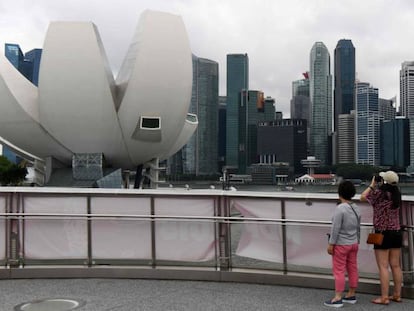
56, 304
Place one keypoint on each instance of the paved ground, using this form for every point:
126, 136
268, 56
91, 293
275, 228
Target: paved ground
154, 295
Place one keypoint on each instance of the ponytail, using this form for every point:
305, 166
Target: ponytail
395, 194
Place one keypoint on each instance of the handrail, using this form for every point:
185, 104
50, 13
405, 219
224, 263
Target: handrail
224, 219
231, 219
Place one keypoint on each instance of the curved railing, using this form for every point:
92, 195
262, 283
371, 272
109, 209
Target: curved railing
182, 234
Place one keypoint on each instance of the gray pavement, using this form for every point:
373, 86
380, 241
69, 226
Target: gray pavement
157, 295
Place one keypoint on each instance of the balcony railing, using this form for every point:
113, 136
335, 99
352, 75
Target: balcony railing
182, 234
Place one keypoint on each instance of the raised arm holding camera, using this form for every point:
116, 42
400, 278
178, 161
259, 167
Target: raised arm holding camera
385, 198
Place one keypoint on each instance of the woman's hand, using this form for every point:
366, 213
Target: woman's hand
373, 182
330, 249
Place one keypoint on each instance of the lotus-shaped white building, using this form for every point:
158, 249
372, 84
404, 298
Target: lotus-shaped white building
78, 106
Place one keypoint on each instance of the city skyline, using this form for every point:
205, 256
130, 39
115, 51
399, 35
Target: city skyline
278, 41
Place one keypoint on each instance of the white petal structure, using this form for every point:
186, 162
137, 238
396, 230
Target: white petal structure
79, 108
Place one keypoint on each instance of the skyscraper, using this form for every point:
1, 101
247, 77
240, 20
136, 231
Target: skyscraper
283, 141
344, 67
237, 80
27, 64
222, 110
406, 89
395, 133
407, 102
321, 101
368, 122
386, 108
253, 108
34, 56
300, 102
200, 155
346, 137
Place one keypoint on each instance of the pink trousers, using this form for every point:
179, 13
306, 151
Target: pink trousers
344, 259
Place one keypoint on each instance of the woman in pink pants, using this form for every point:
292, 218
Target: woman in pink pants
343, 245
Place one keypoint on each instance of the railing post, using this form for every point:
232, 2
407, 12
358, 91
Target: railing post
224, 235
153, 245
284, 240
407, 251
89, 261
13, 249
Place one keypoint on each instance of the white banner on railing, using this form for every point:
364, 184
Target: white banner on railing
55, 238
185, 240
305, 245
121, 239
260, 241
2, 229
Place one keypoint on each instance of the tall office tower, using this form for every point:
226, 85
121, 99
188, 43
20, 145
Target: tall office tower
386, 108
14, 54
283, 141
300, 102
346, 138
320, 89
407, 102
200, 154
252, 110
368, 122
344, 68
395, 133
34, 57
407, 89
410, 169
222, 109
269, 108
27, 64
237, 80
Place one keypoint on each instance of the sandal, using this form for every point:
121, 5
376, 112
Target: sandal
395, 298
381, 301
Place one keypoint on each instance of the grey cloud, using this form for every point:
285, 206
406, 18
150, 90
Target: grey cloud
277, 35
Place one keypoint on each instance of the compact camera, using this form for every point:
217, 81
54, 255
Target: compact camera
378, 178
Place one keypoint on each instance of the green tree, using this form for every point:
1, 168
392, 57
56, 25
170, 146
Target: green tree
11, 174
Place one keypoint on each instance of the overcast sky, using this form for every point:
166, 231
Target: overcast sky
277, 35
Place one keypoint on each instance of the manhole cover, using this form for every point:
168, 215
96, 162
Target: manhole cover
49, 305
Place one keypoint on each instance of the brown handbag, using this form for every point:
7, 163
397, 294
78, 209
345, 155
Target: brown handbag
375, 238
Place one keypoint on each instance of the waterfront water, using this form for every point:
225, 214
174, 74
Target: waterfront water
406, 189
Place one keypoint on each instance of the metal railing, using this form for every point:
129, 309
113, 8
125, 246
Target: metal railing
195, 234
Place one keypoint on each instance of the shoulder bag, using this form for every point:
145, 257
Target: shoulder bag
375, 238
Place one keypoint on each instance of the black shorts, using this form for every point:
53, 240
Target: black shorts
392, 239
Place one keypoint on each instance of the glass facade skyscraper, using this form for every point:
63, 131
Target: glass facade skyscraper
237, 80
200, 155
222, 110
368, 122
283, 141
407, 102
346, 137
27, 64
33, 57
300, 103
344, 82
320, 90
253, 108
395, 133
407, 89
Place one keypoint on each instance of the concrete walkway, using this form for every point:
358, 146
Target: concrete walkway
160, 295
